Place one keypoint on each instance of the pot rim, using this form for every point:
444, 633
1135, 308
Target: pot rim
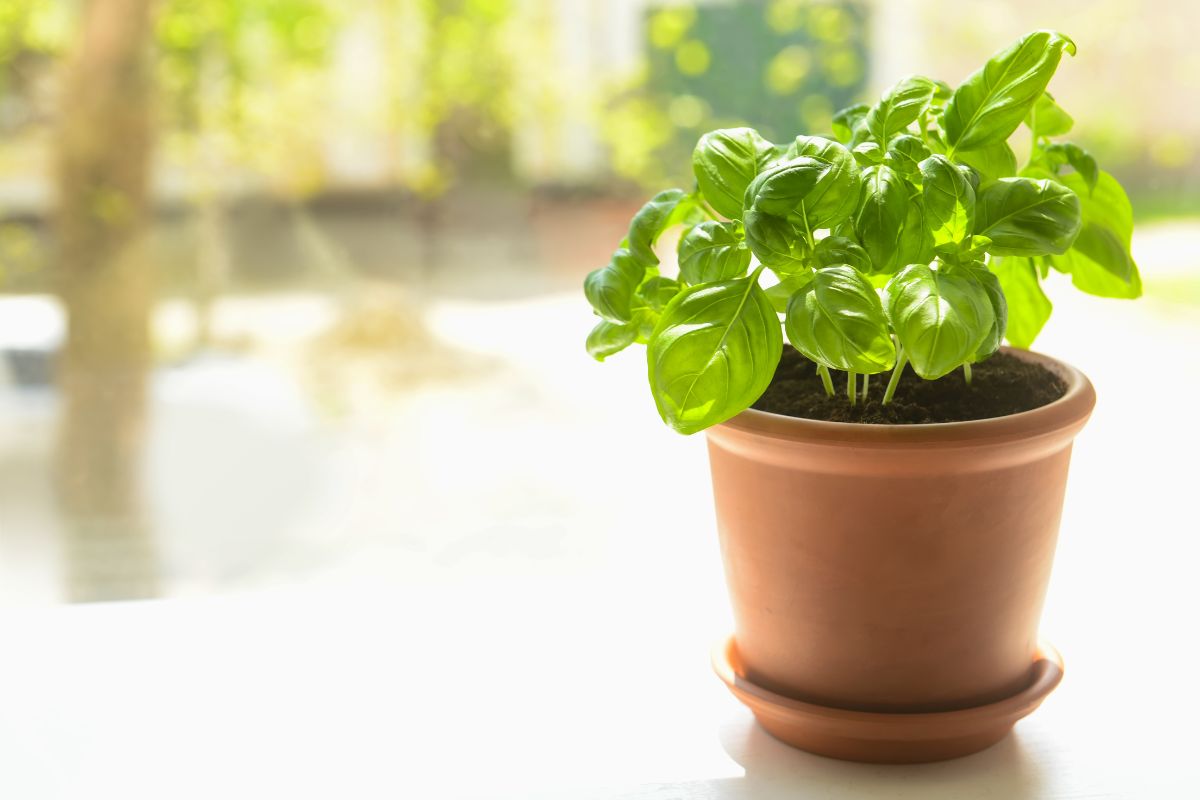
1069, 411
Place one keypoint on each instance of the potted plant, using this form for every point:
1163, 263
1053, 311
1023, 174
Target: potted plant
888, 488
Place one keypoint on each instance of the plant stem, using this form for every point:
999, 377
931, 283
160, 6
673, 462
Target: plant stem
823, 371
890, 392
850, 387
967, 373
866, 383
807, 230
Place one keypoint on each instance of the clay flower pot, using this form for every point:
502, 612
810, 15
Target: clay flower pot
887, 580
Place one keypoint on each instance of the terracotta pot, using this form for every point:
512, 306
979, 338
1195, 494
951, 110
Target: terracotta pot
892, 569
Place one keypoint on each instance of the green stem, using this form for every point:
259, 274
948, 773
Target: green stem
807, 229
890, 392
865, 389
967, 373
850, 387
823, 371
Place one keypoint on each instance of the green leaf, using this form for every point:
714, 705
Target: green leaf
992, 102
657, 292
991, 161
608, 338
644, 321
795, 187
868, 154
905, 153
881, 216
847, 119
775, 242
940, 319
782, 292
713, 353
725, 161
841, 250
1028, 306
899, 107
1089, 271
1080, 160
916, 240
836, 319
665, 209
610, 289
1100, 262
942, 92
713, 251
1046, 118
1025, 217
949, 200
781, 189
995, 336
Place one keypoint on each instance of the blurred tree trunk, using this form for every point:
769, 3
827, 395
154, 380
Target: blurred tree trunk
105, 281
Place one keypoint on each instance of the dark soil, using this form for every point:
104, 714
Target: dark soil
1000, 386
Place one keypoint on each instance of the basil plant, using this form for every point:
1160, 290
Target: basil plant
911, 236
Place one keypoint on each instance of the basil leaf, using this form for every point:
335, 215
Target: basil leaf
608, 338
942, 92
1080, 160
881, 216
610, 289
845, 121
949, 200
992, 102
941, 319
916, 240
782, 292
1046, 118
713, 353
1025, 217
899, 107
991, 161
905, 153
725, 161
644, 320
781, 189
713, 251
868, 154
995, 336
656, 292
775, 242
836, 319
841, 250
1028, 306
1100, 261
818, 183
1091, 268
665, 209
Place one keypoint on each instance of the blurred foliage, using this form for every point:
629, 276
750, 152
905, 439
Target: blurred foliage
240, 72
253, 77
782, 67
461, 100
250, 87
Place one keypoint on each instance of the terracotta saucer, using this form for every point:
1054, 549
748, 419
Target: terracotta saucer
895, 738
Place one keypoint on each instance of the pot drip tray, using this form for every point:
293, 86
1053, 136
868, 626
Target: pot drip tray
893, 738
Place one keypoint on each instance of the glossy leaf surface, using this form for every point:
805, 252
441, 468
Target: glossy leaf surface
836, 319
724, 162
713, 353
713, 251
940, 319
991, 103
